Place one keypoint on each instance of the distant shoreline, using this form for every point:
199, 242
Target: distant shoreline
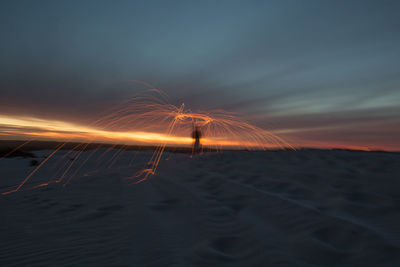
25, 151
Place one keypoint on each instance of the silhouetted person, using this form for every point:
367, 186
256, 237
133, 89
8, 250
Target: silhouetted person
196, 135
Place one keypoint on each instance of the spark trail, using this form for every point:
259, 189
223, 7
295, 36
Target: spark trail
150, 116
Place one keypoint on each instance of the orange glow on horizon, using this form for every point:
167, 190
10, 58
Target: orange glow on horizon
58, 130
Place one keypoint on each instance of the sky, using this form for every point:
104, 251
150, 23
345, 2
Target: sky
316, 73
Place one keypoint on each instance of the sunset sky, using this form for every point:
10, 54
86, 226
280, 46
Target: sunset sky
317, 73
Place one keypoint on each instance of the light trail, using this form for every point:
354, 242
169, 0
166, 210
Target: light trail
28, 126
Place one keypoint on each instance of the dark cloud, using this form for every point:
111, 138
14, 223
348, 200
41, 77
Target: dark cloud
294, 64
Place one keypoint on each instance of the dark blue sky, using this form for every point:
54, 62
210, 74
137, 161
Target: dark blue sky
316, 71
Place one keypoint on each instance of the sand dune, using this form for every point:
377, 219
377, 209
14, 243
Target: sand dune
303, 208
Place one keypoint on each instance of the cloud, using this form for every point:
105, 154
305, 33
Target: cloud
313, 65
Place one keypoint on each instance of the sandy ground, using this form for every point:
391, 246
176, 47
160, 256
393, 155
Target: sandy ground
303, 208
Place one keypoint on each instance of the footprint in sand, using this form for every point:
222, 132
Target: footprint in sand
101, 212
166, 204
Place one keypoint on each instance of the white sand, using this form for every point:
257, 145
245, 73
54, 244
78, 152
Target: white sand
304, 208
